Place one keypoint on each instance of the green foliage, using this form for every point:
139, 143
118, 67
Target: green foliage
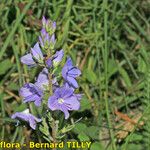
96, 146
135, 146
86, 133
20, 108
83, 137
5, 66
85, 104
45, 129
13, 86
109, 40
125, 77
146, 102
90, 76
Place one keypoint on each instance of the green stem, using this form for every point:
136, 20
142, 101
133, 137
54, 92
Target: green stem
54, 132
105, 54
53, 126
3, 116
50, 84
15, 50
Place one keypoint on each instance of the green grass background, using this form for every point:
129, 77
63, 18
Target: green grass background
109, 40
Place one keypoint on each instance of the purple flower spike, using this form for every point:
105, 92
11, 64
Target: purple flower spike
49, 25
63, 99
37, 53
31, 92
27, 117
28, 60
57, 58
70, 72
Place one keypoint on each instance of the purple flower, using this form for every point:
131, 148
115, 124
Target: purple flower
44, 21
54, 25
37, 53
28, 60
43, 81
51, 27
67, 85
33, 57
63, 99
46, 40
49, 62
31, 92
27, 117
53, 39
70, 72
57, 58
79, 96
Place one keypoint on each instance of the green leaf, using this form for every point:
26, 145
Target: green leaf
4, 66
93, 132
83, 137
80, 127
90, 75
142, 65
96, 146
135, 146
112, 68
13, 86
20, 108
125, 76
85, 104
136, 137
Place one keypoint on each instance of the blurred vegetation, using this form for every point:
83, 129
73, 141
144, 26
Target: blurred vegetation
109, 41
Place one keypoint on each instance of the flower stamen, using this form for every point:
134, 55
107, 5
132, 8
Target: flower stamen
60, 101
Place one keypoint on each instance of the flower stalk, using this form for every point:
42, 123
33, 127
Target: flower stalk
50, 84
53, 126
54, 132
48, 91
